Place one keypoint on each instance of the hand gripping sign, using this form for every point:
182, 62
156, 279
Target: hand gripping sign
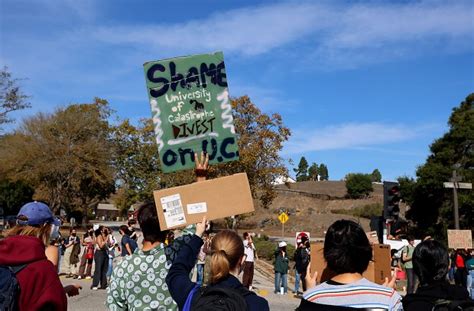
191, 110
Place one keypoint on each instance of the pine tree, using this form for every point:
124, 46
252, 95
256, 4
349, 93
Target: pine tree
313, 172
302, 170
323, 172
376, 176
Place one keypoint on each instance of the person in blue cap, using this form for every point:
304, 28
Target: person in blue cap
24, 250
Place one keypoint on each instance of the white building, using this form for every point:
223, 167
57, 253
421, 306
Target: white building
280, 180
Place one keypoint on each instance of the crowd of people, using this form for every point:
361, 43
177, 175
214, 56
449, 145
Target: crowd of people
75, 257
156, 276
158, 273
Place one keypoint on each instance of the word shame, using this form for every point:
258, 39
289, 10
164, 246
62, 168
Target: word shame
169, 78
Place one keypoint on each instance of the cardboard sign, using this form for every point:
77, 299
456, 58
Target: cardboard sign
377, 270
215, 198
379, 267
191, 110
460, 239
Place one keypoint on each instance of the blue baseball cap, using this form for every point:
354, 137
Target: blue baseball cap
37, 213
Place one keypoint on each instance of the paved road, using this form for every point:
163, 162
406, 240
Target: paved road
94, 300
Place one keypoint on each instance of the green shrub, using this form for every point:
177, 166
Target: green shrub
358, 185
266, 248
366, 211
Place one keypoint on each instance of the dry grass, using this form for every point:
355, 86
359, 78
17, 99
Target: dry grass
309, 204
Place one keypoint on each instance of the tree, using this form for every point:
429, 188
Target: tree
313, 172
407, 189
302, 170
376, 176
323, 172
11, 96
431, 204
137, 164
358, 185
260, 138
65, 156
13, 194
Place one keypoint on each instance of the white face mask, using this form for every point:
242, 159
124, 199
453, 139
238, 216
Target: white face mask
54, 232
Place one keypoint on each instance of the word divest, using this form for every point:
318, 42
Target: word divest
191, 110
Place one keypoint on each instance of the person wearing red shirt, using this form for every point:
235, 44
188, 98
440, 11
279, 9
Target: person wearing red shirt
40, 287
460, 276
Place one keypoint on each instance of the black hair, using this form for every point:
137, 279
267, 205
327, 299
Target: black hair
430, 262
347, 248
125, 229
245, 235
98, 231
149, 223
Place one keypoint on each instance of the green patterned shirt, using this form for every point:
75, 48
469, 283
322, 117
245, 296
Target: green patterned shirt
138, 282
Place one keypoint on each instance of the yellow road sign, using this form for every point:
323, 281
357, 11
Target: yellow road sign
283, 217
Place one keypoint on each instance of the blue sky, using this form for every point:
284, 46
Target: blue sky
361, 84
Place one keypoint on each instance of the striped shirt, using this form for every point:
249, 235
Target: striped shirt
360, 294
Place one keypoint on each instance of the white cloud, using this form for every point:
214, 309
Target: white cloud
329, 31
267, 99
353, 136
324, 35
249, 31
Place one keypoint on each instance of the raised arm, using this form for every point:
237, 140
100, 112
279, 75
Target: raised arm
179, 284
201, 166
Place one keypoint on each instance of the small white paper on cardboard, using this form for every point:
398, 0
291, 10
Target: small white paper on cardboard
196, 208
173, 210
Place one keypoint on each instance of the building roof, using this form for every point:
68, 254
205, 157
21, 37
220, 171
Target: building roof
106, 207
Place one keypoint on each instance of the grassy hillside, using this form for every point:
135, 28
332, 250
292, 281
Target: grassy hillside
313, 206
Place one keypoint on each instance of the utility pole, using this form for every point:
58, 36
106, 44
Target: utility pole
455, 184
455, 180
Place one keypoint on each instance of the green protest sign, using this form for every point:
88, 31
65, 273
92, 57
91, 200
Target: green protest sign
191, 110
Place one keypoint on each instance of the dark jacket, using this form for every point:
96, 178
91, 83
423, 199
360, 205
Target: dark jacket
301, 259
76, 250
281, 263
40, 287
425, 296
180, 285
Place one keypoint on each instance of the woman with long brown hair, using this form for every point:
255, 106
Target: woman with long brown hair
101, 259
227, 252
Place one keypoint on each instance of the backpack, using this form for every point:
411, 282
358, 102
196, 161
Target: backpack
453, 305
217, 298
9, 287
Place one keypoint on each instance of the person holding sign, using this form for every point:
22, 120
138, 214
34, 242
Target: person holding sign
138, 282
225, 292
301, 257
347, 252
227, 255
